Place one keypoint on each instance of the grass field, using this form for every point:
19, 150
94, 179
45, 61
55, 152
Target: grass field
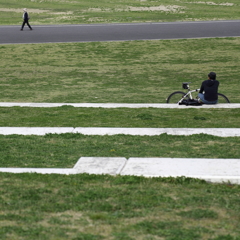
105, 11
89, 207
93, 207
126, 72
64, 150
68, 116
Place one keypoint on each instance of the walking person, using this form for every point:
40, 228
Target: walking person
208, 93
25, 19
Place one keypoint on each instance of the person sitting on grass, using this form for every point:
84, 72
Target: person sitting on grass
208, 93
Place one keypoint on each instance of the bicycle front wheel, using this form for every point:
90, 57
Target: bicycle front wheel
222, 98
175, 97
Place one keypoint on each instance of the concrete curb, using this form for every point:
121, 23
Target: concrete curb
64, 171
117, 105
221, 132
34, 130
212, 170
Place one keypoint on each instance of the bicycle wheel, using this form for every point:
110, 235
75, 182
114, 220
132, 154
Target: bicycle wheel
222, 98
175, 97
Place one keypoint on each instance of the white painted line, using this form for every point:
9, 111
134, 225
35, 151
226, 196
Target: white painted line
117, 105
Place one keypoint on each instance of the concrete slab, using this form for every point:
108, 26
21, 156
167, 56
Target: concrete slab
214, 170
100, 165
117, 105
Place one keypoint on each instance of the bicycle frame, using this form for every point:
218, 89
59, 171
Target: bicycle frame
189, 94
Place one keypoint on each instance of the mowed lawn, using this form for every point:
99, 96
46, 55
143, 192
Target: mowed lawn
105, 11
90, 207
124, 72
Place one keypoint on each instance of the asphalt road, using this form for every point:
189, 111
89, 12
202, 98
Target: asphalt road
119, 32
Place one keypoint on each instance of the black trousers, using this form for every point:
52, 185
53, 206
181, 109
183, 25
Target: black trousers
26, 22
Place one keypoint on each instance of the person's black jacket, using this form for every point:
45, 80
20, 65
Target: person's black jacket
25, 18
210, 87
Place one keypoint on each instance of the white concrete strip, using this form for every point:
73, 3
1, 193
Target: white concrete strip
212, 170
104, 165
65, 171
221, 132
34, 130
117, 105
155, 167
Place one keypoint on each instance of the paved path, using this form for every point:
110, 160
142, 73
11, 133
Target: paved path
119, 32
212, 170
117, 105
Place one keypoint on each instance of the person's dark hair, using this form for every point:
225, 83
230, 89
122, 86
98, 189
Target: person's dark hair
212, 75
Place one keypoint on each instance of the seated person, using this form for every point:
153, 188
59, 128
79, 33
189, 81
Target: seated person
210, 89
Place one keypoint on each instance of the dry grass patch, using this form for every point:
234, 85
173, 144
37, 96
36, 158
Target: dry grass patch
19, 10
215, 4
163, 8
169, 8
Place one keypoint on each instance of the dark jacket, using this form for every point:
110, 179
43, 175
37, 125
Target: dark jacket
25, 16
210, 87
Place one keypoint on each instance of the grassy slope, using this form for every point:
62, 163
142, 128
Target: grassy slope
64, 150
68, 116
103, 207
130, 72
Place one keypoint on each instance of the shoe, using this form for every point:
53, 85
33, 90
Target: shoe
31, 29
21, 29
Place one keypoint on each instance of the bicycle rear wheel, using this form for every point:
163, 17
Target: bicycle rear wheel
222, 98
175, 97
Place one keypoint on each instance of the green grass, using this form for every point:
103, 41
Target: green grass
94, 207
64, 150
68, 116
126, 72
105, 11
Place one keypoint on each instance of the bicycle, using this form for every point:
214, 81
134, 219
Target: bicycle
179, 96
